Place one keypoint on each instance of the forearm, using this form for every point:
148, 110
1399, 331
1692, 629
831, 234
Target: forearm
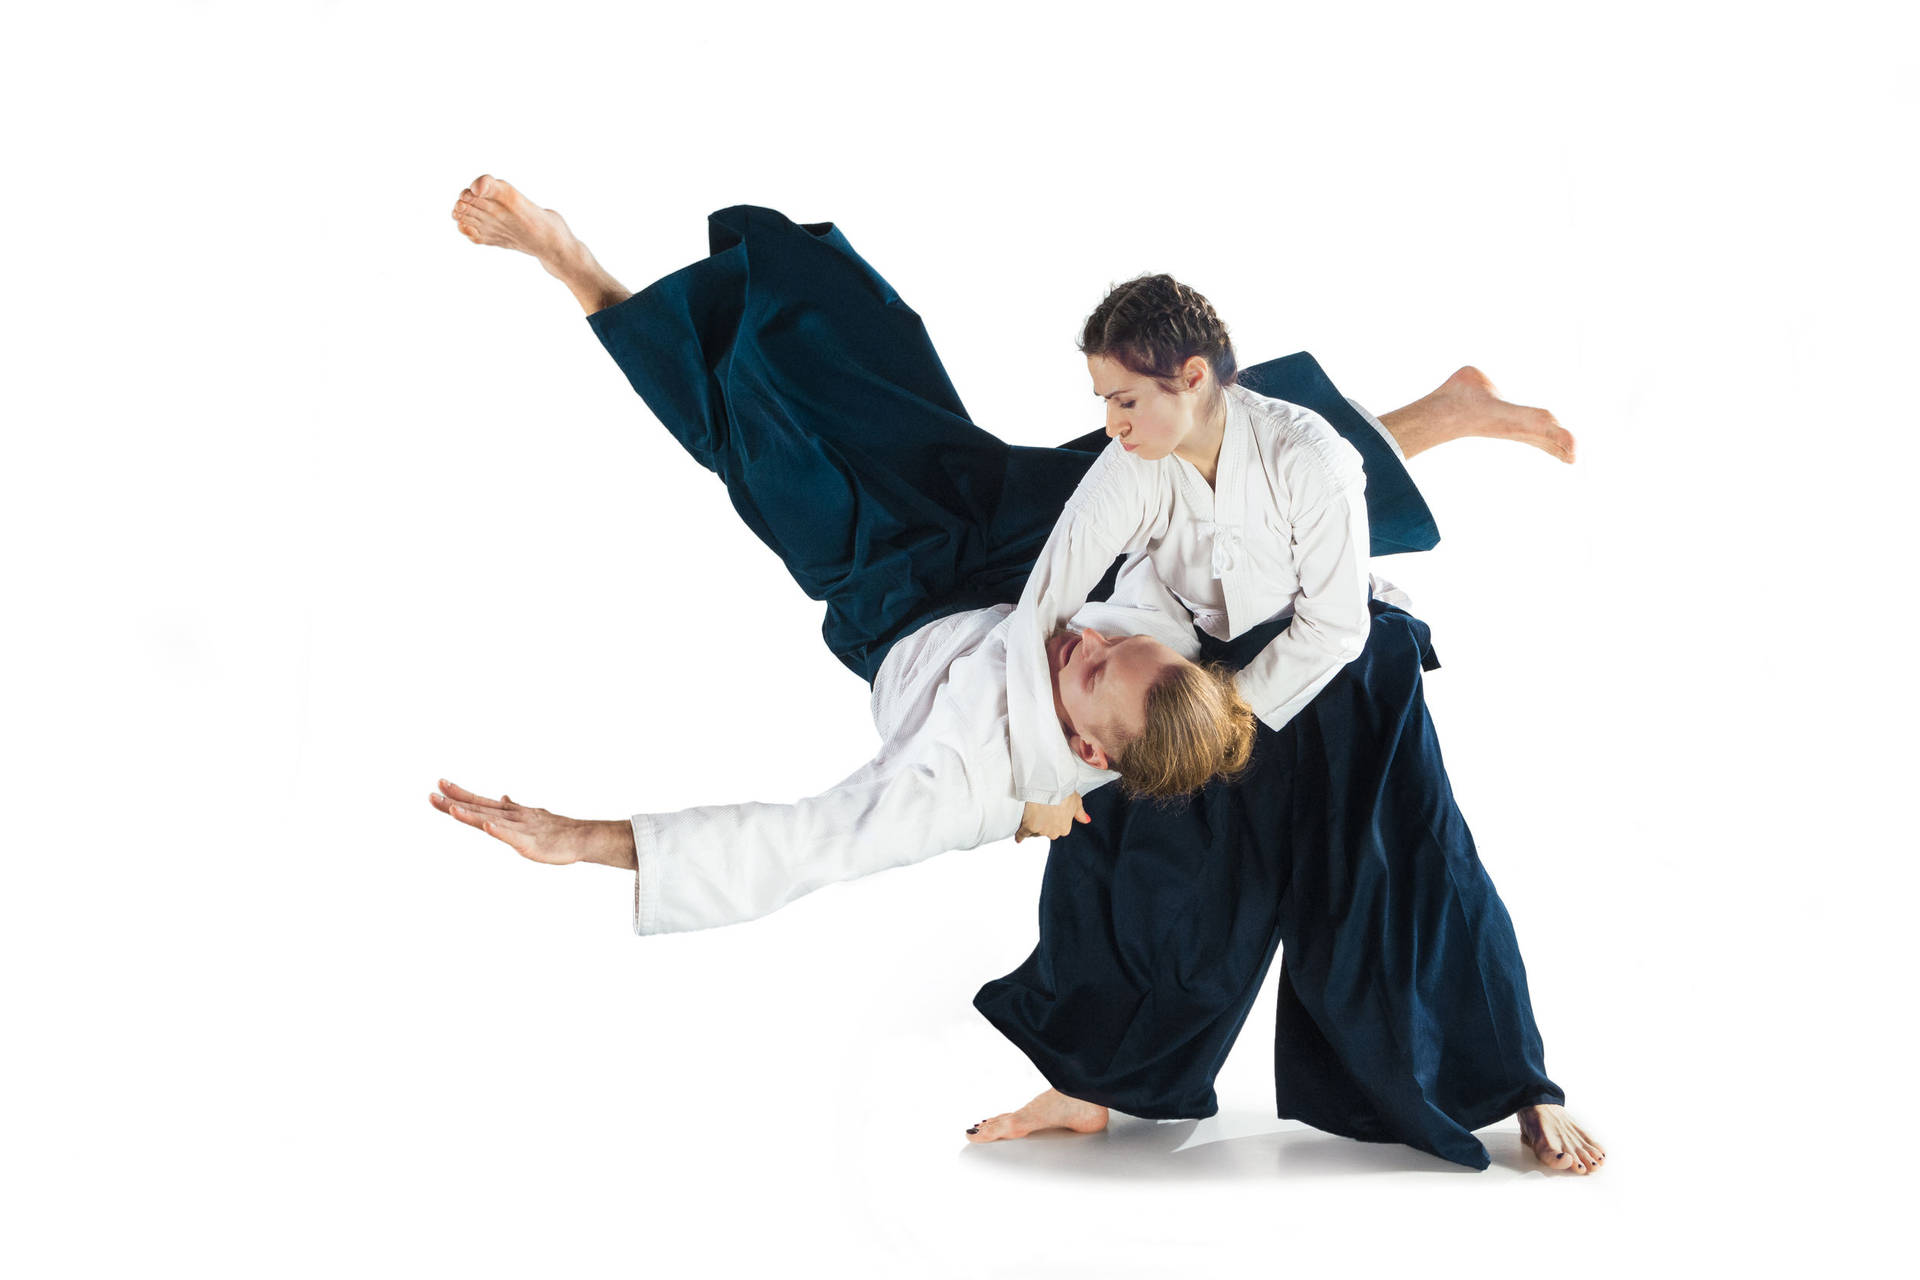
611, 844
723, 864
1331, 620
1069, 566
1292, 670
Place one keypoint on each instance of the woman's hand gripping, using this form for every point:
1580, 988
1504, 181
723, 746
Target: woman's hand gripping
1051, 821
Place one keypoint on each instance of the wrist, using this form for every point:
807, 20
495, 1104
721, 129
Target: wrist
612, 844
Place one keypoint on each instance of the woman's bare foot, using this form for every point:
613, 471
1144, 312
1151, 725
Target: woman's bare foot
1468, 405
494, 212
1558, 1141
1051, 1110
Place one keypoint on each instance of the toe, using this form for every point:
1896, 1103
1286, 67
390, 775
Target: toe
985, 1131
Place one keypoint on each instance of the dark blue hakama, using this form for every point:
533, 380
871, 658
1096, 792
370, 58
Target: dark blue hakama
785, 364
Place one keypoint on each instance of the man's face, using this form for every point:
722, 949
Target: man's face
1100, 688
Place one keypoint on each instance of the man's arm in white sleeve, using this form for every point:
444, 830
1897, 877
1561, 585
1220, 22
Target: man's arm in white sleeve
722, 864
1105, 517
1331, 620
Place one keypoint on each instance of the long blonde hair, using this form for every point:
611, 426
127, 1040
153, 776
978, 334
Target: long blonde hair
1198, 728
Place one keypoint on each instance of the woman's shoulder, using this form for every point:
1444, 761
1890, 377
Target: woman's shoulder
1300, 445
1272, 416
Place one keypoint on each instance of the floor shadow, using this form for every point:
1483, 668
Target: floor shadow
1226, 1148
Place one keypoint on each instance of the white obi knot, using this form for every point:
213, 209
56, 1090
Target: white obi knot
1226, 548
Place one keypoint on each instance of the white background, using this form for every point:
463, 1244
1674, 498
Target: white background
310, 502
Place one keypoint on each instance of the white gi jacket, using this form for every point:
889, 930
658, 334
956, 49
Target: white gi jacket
943, 780
1283, 530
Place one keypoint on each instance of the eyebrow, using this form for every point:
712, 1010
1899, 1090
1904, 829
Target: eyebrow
1111, 394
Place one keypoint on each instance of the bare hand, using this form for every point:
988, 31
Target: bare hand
1051, 821
534, 833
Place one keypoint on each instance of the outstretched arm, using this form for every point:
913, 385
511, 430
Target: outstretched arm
714, 865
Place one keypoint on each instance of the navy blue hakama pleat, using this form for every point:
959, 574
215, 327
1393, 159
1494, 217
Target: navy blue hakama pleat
790, 368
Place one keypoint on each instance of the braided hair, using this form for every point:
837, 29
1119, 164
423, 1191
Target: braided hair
1154, 324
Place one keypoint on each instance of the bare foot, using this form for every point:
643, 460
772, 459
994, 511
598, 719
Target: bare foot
493, 212
537, 834
1467, 404
1558, 1141
1051, 1110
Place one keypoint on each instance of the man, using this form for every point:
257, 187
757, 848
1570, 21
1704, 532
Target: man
942, 779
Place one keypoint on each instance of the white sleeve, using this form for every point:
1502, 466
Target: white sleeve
722, 864
1105, 517
1331, 620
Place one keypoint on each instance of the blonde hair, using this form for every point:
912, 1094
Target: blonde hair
1198, 728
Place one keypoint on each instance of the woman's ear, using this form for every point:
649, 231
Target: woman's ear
1194, 372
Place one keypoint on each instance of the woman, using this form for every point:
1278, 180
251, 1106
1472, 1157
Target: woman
806, 376
1404, 1013
1242, 507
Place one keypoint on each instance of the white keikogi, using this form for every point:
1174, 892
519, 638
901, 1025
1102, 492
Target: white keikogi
943, 780
1282, 531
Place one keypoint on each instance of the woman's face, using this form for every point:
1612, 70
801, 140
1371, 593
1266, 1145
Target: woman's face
1150, 422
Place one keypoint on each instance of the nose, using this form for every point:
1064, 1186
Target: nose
1093, 640
1116, 429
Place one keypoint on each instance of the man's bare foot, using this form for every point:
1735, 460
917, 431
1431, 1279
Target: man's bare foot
1558, 1141
537, 834
493, 212
1467, 404
1051, 1110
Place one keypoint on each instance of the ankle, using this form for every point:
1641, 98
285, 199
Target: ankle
574, 266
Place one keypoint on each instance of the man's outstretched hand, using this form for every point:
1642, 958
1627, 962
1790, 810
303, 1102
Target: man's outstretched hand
536, 833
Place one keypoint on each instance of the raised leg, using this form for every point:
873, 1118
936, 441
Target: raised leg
1467, 404
493, 212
